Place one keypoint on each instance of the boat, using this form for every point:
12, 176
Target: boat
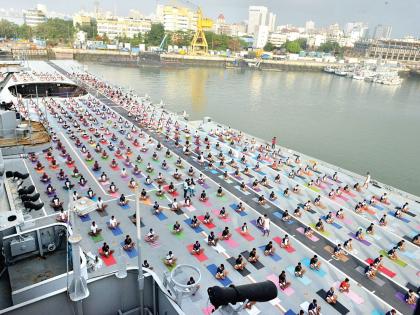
329, 69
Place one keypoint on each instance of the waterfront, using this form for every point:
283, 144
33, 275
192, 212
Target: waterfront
353, 124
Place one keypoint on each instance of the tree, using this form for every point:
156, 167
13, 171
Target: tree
55, 31
330, 47
91, 29
293, 47
269, 47
303, 43
8, 29
155, 35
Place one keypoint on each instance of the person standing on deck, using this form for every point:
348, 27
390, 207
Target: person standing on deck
266, 225
367, 180
273, 143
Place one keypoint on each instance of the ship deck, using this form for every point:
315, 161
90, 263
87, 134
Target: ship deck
365, 297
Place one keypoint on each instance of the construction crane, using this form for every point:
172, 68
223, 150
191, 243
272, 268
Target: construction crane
199, 43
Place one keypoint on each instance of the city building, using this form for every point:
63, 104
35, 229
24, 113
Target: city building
309, 26
82, 19
33, 17
271, 23
122, 27
277, 38
390, 49
382, 32
257, 16
176, 18
262, 36
356, 30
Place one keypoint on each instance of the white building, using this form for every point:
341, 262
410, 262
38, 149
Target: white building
257, 16
277, 38
262, 36
176, 18
271, 21
309, 26
122, 27
33, 17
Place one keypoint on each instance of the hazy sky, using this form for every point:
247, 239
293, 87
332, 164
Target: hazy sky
402, 15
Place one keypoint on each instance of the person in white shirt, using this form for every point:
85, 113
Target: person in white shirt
151, 236
94, 229
113, 223
266, 225
62, 216
174, 205
170, 259
100, 206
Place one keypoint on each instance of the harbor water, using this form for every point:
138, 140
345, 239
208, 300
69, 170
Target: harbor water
353, 124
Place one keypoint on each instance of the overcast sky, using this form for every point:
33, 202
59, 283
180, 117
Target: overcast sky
402, 15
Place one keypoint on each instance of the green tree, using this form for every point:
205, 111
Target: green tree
269, 47
25, 31
91, 29
155, 35
330, 47
8, 29
55, 31
303, 43
292, 47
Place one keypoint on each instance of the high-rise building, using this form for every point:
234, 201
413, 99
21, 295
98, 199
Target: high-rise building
271, 23
382, 32
257, 16
176, 18
309, 26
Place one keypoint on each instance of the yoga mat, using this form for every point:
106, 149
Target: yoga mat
198, 229
305, 280
232, 261
209, 225
288, 249
131, 253
246, 236
383, 269
108, 261
361, 241
306, 261
216, 212
258, 265
325, 233
201, 257
402, 218
351, 294
336, 225
161, 216
397, 261
98, 238
85, 218
230, 242
213, 269
313, 238
401, 296
274, 256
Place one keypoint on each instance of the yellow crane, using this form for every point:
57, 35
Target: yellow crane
199, 43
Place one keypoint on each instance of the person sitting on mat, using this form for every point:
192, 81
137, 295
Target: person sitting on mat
348, 245
94, 229
314, 263
329, 218
286, 216
401, 245
299, 270
320, 226
369, 229
340, 214
113, 223
359, 234
106, 251
308, 232
203, 196
344, 286
269, 249
382, 221
314, 308
240, 263
226, 234
331, 298
175, 205
197, 249
392, 253
62, 216
176, 229
222, 213
212, 239
170, 259
410, 297
253, 257
283, 283
221, 273
128, 243
207, 219
194, 222
151, 236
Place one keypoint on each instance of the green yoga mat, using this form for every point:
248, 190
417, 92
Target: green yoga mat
398, 261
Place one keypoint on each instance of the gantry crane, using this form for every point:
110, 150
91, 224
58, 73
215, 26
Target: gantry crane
199, 43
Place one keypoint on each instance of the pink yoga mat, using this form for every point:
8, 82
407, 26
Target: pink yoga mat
246, 236
230, 242
351, 295
313, 238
